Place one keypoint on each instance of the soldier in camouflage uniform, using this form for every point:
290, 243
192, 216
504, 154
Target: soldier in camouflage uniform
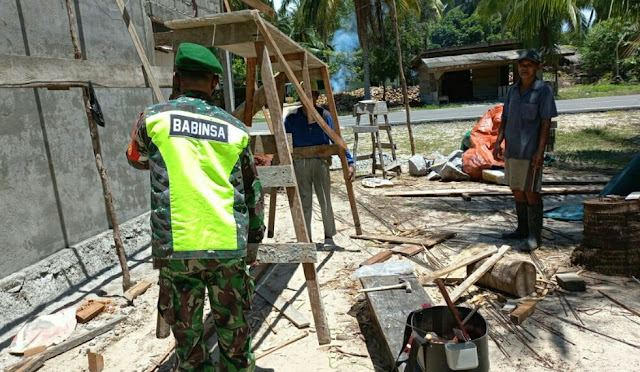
206, 205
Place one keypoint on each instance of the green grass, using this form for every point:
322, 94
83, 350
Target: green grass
597, 90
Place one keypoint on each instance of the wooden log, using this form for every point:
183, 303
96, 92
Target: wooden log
428, 242
457, 265
494, 191
284, 307
89, 312
96, 362
511, 275
138, 289
523, 311
473, 278
378, 257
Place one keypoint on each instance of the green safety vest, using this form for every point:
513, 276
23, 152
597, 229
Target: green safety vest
200, 153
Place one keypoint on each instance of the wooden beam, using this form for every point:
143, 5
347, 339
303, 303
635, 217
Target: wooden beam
262, 7
163, 38
34, 72
457, 265
137, 290
343, 151
276, 176
378, 257
295, 204
259, 99
495, 191
89, 312
218, 35
523, 311
475, 276
322, 151
141, 53
282, 253
251, 80
292, 78
428, 242
265, 144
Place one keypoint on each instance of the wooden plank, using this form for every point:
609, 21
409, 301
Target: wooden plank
284, 307
457, 265
523, 311
390, 310
273, 47
304, 61
251, 80
137, 290
34, 363
428, 242
471, 279
322, 151
265, 144
96, 362
262, 7
259, 99
409, 250
365, 129
34, 350
89, 312
277, 176
293, 195
26, 71
379, 257
495, 191
282, 252
141, 53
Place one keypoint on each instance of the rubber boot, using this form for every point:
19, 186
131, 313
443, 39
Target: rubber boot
523, 224
534, 240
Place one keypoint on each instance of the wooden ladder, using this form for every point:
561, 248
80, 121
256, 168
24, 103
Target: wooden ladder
376, 144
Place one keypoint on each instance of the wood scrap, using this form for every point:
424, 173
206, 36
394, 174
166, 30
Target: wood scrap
632, 311
34, 350
137, 290
284, 307
494, 191
266, 319
34, 363
428, 242
475, 276
288, 342
378, 257
522, 312
86, 313
456, 265
409, 250
96, 362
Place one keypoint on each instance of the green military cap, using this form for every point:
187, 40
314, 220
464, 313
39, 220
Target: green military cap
196, 57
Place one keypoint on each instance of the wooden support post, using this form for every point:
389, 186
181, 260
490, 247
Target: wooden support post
295, 204
271, 44
251, 81
143, 56
343, 154
304, 62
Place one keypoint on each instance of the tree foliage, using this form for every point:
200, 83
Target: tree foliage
604, 49
460, 28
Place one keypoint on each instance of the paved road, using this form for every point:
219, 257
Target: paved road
569, 106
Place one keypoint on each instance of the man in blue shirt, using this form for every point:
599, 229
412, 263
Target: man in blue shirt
314, 172
526, 119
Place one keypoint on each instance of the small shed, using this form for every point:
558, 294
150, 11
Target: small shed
478, 72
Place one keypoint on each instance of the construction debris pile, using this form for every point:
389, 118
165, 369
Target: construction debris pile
345, 100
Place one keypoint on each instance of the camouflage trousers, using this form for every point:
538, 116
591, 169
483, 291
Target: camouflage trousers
181, 303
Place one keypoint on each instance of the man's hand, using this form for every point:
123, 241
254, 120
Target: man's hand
497, 152
352, 173
538, 160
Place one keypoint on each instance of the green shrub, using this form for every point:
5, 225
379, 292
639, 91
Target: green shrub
599, 50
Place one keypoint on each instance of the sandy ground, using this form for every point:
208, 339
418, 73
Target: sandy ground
132, 345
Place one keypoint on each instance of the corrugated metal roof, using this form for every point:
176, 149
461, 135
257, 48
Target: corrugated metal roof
469, 60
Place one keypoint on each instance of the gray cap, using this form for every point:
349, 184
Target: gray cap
530, 54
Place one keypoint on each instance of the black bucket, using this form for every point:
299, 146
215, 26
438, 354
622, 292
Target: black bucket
432, 356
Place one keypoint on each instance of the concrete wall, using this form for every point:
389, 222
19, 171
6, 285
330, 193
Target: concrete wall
51, 195
485, 83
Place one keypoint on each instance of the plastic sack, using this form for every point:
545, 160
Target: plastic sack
483, 139
45, 330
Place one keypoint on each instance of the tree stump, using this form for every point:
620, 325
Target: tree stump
611, 238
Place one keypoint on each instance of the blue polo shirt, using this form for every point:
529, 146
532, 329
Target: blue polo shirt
305, 134
523, 115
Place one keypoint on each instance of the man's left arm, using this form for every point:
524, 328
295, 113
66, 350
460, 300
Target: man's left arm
547, 111
137, 153
350, 161
253, 196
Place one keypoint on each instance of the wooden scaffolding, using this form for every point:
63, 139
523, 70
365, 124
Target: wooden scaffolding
246, 34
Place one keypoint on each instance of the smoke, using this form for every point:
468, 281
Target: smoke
344, 43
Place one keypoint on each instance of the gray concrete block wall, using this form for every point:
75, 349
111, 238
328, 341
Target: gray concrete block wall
48, 203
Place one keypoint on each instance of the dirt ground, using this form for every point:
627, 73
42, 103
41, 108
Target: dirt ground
356, 346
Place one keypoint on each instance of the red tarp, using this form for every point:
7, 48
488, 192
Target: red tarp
483, 138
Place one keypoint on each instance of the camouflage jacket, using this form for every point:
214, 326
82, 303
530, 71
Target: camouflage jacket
143, 153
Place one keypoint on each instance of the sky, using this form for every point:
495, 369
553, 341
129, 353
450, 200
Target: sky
276, 4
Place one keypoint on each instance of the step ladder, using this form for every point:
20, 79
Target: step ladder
373, 109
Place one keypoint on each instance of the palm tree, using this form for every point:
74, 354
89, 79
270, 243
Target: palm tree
488, 9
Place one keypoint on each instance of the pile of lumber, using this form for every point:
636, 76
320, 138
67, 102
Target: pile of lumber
345, 100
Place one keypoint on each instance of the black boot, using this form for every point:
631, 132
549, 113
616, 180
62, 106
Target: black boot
534, 240
523, 224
